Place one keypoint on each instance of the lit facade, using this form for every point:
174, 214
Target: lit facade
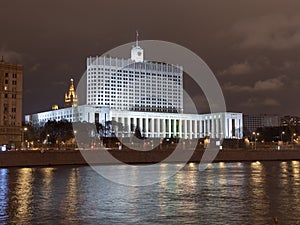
151, 124
11, 76
82, 113
134, 84
252, 122
174, 125
141, 94
71, 99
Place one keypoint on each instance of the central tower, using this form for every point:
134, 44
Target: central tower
137, 53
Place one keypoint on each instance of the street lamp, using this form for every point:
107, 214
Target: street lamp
23, 134
293, 140
294, 136
257, 134
255, 139
48, 135
253, 135
282, 133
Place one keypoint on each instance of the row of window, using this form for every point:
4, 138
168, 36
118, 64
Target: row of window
6, 95
14, 75
13, 82
13, 110
136, 74
133, 66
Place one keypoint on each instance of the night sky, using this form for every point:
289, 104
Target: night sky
253, 47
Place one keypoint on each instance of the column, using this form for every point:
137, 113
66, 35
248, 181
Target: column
208, 127
229, 128
157, 127
185, 129
191, 128
122, 126
201, 128
218, 128
128, 125
174, 128
169, 128
195, 129
141, 125
152, 128
135, 123
179, 128
163, 121
240, 128
213, 134
226, 128
147, 127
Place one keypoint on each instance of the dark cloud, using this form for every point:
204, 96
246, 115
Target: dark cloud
258, 102
248, 44
279, 32
238, 69
11, 55
272, 84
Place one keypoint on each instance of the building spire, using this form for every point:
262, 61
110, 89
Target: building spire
137, 38
72, 84
137, 53
71, 99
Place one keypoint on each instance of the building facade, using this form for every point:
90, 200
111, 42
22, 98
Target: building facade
11, 76
151, 124
147, 95
134, 84
252, 122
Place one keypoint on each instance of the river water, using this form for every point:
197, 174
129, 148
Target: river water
225, 193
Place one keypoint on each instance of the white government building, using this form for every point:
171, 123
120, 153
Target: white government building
141, 94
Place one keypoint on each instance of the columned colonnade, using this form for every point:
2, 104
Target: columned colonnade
171, 125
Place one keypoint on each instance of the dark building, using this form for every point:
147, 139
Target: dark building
11, 77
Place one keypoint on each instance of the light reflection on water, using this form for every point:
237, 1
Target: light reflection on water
225, 193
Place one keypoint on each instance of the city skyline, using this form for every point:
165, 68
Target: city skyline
251, 47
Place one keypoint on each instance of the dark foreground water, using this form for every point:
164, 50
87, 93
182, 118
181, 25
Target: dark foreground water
225, 193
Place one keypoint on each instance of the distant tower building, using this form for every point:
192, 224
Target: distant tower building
11, 76
71, 99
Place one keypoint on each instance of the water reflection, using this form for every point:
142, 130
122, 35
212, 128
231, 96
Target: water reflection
3, 194
21, 200
225, 193
258, 197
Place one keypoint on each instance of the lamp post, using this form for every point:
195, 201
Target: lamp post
23, 134
253, 135
293, 137
282, 133
255, 139
293, 140
47, 143
257, 134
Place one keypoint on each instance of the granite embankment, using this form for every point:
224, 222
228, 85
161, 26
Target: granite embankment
68, 157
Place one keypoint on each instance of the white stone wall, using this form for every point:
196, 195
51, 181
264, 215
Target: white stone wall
188, 126
123, 84
152, 124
